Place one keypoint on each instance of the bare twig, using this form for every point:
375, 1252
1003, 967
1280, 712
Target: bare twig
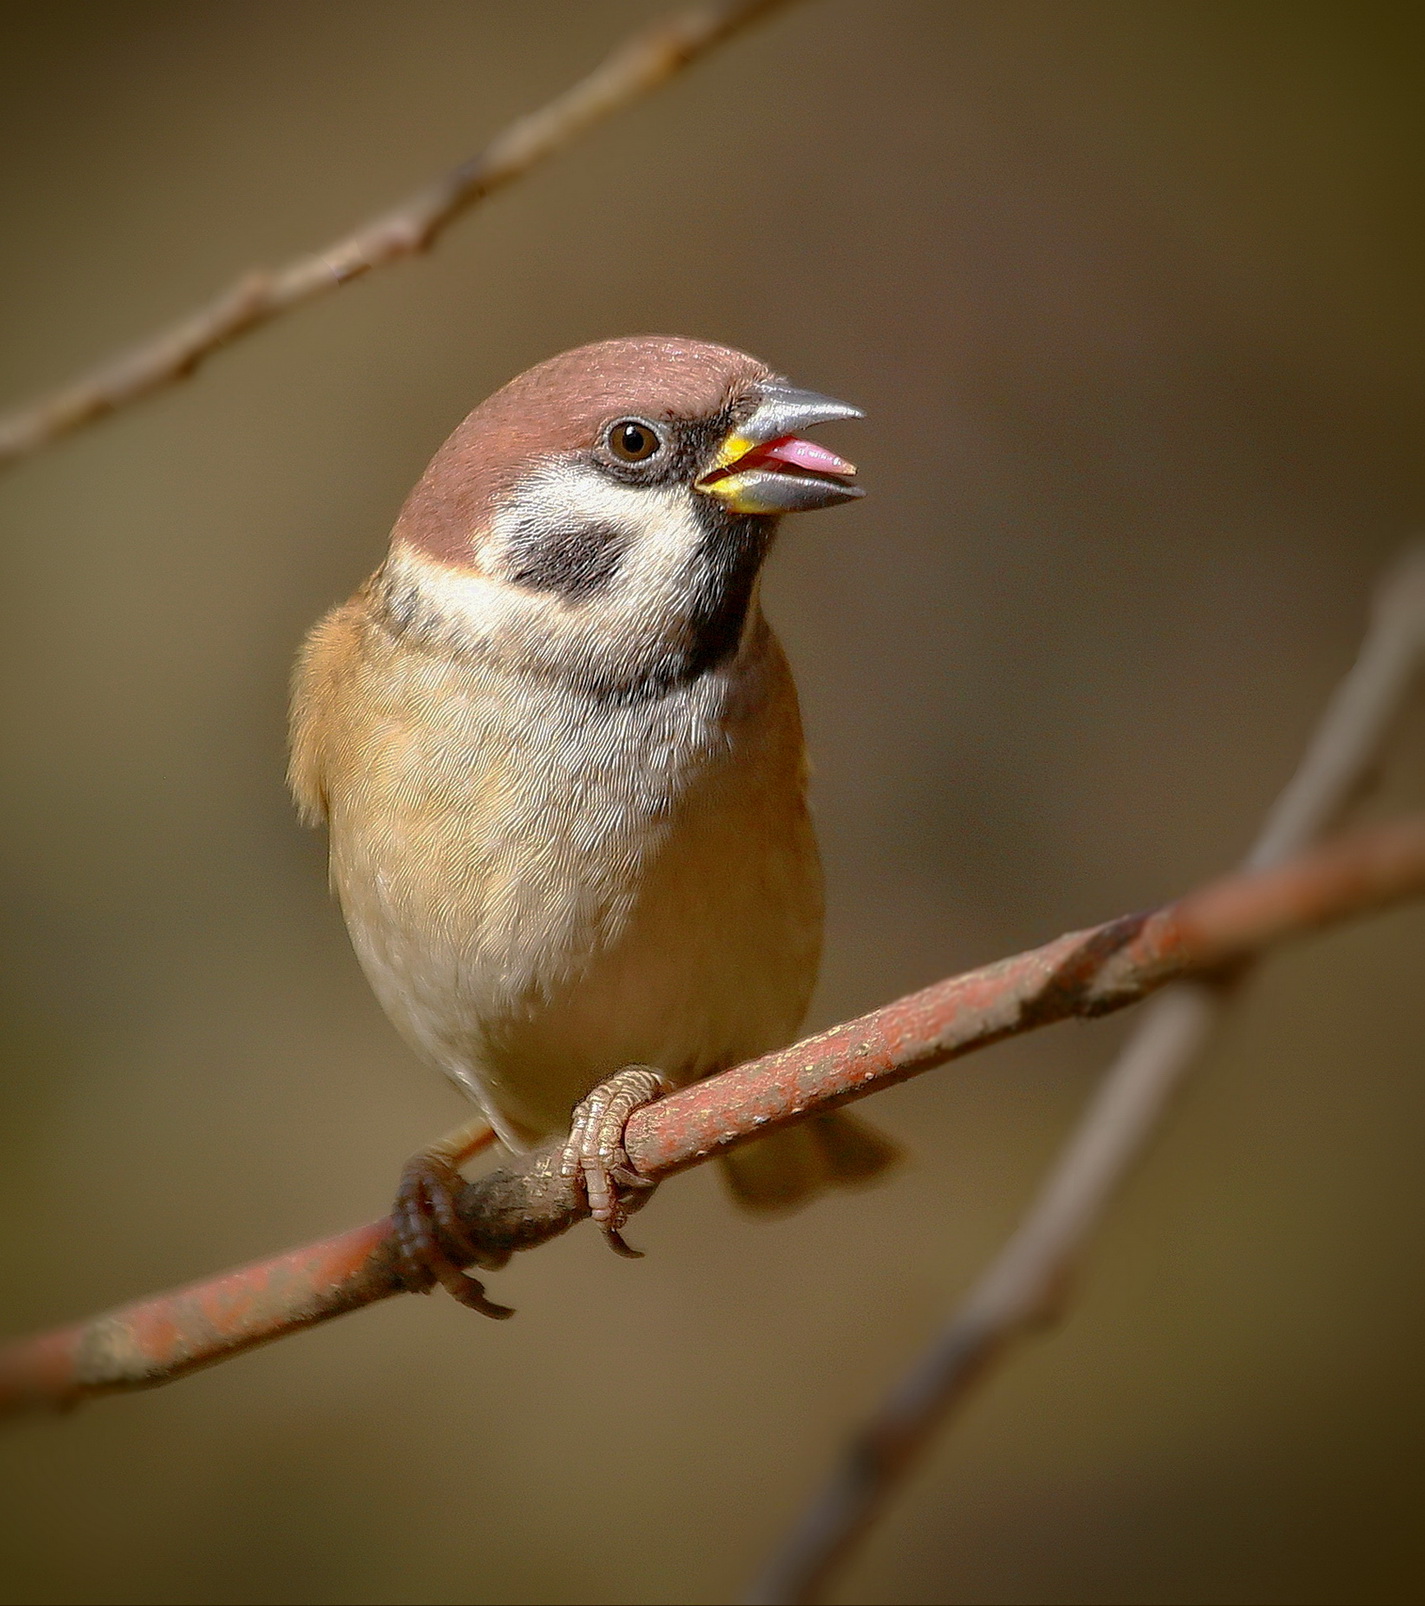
641, 63
1086, 973
1028, 1281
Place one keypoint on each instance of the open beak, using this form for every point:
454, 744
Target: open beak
764, 466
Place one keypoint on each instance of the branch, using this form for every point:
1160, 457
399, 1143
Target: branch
1085, 973
641, 63
1027, 1284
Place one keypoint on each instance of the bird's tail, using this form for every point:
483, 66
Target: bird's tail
787, 1168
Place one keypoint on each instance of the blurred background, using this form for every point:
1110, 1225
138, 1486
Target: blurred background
1132, 297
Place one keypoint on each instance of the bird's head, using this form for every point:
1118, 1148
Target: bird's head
607, 513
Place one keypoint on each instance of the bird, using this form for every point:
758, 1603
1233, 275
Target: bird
559, 754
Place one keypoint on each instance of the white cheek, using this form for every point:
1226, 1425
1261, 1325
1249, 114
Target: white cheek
546, 497
643, 608
661, 537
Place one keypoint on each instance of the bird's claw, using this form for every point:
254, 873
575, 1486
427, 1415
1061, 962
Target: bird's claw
595, 1156
432, 1243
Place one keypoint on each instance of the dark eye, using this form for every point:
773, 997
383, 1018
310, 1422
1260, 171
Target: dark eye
632, 441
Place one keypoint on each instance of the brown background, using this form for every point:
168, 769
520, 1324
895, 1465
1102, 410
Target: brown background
1132, 296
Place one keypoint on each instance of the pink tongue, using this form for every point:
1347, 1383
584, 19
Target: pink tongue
803, 454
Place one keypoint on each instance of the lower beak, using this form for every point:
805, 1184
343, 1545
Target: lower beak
764, 466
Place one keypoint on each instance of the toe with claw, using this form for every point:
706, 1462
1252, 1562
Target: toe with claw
432, 1242
595, 1155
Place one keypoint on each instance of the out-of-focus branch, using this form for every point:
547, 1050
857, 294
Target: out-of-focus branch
1085, 973
641, 63
1027, 1283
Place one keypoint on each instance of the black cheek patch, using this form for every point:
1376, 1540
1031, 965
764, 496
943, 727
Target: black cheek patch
574, 561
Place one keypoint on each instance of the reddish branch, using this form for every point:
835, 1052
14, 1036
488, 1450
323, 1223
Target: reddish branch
641, 63
1085, 973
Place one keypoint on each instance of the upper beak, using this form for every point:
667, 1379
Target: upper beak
765, 467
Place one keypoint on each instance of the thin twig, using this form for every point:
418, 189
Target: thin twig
1027, 1284
529, 1201
641, 63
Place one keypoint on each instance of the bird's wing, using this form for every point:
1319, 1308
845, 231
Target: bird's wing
323, 668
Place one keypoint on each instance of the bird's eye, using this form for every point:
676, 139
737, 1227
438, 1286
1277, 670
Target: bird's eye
632, 441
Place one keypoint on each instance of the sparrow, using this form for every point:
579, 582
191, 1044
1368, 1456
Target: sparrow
559, 754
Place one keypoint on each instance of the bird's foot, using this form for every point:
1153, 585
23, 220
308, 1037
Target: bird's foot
432, 1243
595, 1155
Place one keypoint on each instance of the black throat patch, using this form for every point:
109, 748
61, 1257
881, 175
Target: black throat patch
729, 558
